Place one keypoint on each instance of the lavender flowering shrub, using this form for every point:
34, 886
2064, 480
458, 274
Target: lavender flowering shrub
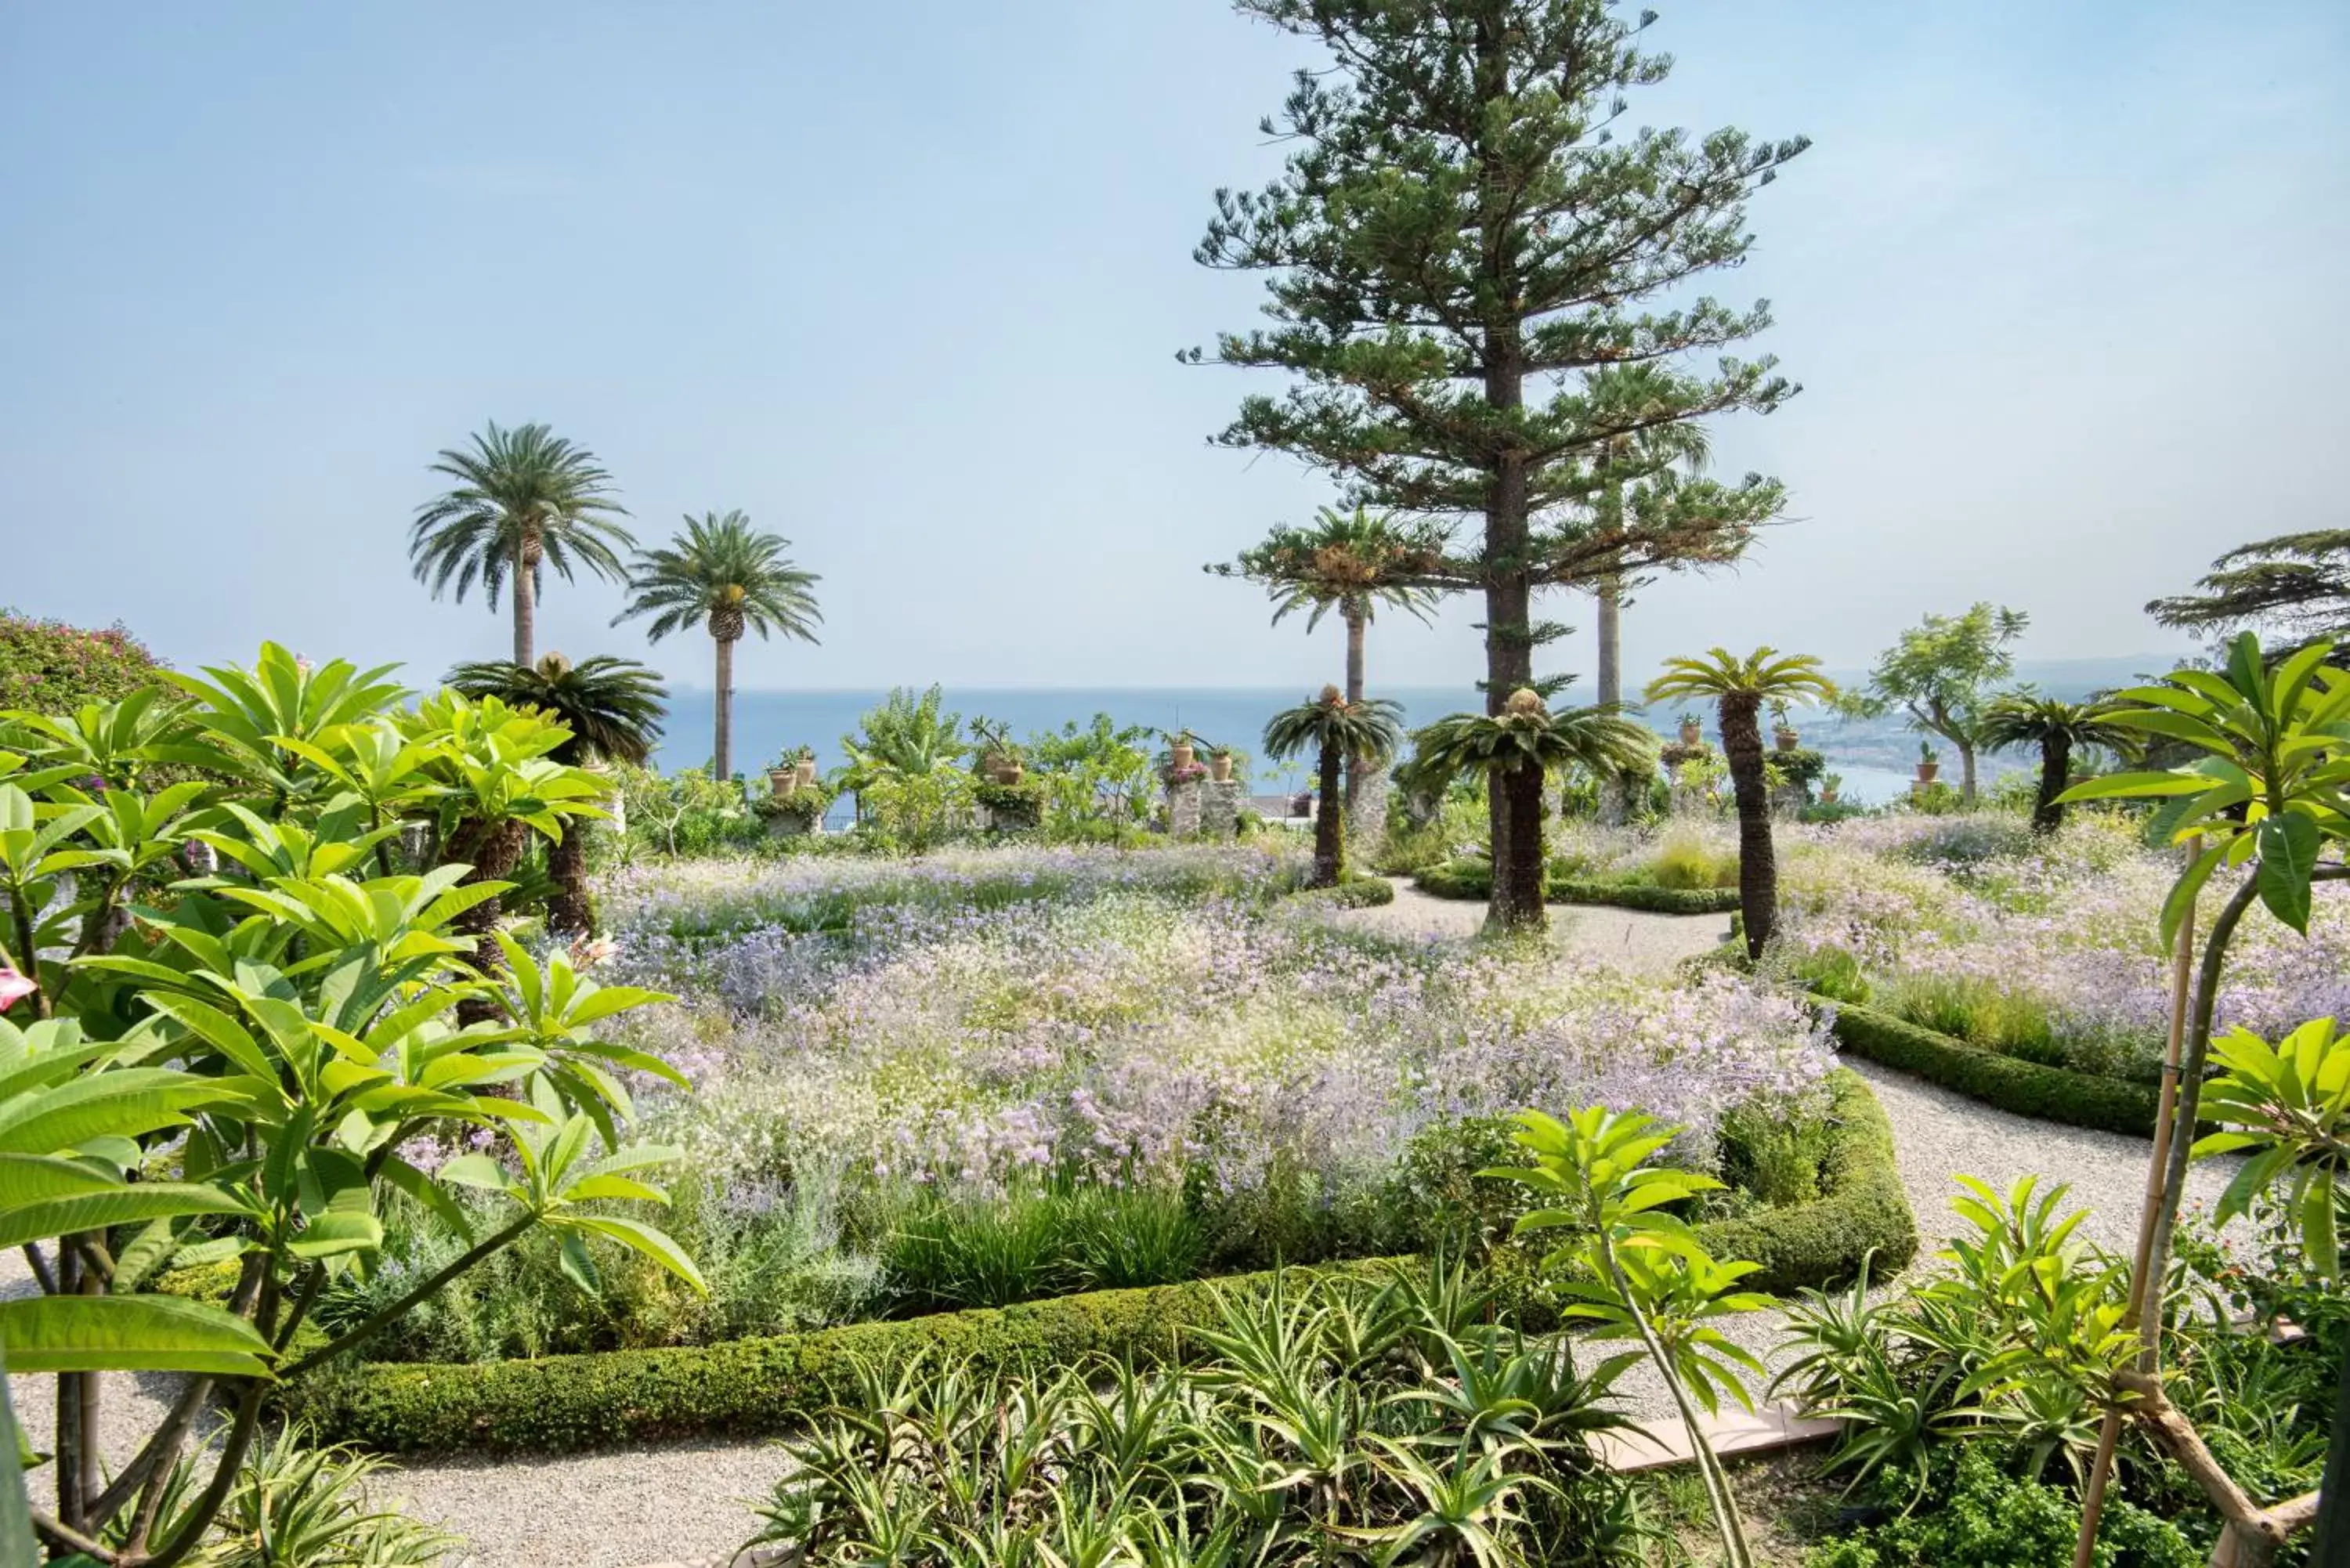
2046, 949
704, 900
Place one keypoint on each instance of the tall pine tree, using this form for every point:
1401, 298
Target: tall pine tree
1486, 297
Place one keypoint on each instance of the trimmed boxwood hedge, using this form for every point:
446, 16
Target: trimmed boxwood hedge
2009, 1083
1354, 893
1474, 880
560, 1404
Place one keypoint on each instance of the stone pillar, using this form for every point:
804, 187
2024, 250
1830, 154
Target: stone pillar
1219, 809
1787, 801
1183, 808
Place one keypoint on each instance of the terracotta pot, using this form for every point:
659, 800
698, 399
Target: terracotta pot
806, 770
1692, 734
1926, 771
1827, 797
1012, 773
1788, 739
782, 781
1180, 754
1219, 768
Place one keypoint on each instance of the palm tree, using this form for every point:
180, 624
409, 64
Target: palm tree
1740, 687
2056, 727
1339, 731
524, 500
1516, 749
723, 574
1354, 563
613, 708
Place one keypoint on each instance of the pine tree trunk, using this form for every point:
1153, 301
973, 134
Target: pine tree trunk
526, 603
2055, 769
1354, 766
1757, 870
1330, 823
722, 765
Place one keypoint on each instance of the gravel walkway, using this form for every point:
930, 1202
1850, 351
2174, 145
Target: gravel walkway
1635, 939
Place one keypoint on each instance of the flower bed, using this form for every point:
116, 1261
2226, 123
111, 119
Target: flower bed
936, 1103
564, 1403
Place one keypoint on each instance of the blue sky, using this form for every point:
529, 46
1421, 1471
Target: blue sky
2063, 285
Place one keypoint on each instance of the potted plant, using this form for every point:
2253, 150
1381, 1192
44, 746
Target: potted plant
1782, 728
1181, 748
1829, 785
1929, 762
1693, 728
784, 776
804, 763
1220, 764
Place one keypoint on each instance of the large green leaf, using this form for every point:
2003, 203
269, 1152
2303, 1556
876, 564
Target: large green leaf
121, 1205
2288, 846
129, 1334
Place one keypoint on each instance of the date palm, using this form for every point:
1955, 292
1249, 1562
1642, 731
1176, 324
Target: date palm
2057, 728
613, 708
723, 574
1516, 749
524, 500
1739, 687
1337, 730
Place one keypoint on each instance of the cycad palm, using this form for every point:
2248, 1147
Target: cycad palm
1739, 687
613, 708
2057, 728
524, 500
1516, 749
723, 574
1337, 732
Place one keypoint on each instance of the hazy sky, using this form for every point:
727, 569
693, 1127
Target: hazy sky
2063, 284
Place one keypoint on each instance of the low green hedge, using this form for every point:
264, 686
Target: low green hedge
2009, 1083
1862, 1208
560, 1404
1474, 880
1354, 893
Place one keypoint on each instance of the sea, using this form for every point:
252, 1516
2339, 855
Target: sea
768, 724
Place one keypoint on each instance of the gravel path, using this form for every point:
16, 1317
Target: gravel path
1635, 939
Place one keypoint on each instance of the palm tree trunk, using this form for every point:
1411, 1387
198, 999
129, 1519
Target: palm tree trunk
1757, 870
1354, 766
1612, 784
2056, 768
526, 602
722, 752
491, 852
1518, 877
1966, 772
570, 909
1330, 823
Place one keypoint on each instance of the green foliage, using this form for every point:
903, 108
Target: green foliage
1474, 880
1041, 1244
523, 499
1354, 893
723, 574
295, 1506
2297, 583
1355, 562
686, 814
1977, 1515
2287, 1108
2027, 1088
1097, 775
612, 707
262, 1045
49, 667
1942, 672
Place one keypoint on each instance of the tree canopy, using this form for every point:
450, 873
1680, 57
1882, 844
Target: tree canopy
2295, 585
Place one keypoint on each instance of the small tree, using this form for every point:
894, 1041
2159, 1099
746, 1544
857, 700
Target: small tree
613, 709
1516, 750
1941, 674
1738, 687
524, 500
1353, 563
1478, 287
722, 574
1336, 730
2059, 728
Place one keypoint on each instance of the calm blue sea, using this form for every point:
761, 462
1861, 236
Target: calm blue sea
768, 722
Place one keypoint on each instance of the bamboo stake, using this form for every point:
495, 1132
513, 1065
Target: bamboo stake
2148, 1325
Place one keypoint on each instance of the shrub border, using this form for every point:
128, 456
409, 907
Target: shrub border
1474, 880
562, 1404
2008, 1083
